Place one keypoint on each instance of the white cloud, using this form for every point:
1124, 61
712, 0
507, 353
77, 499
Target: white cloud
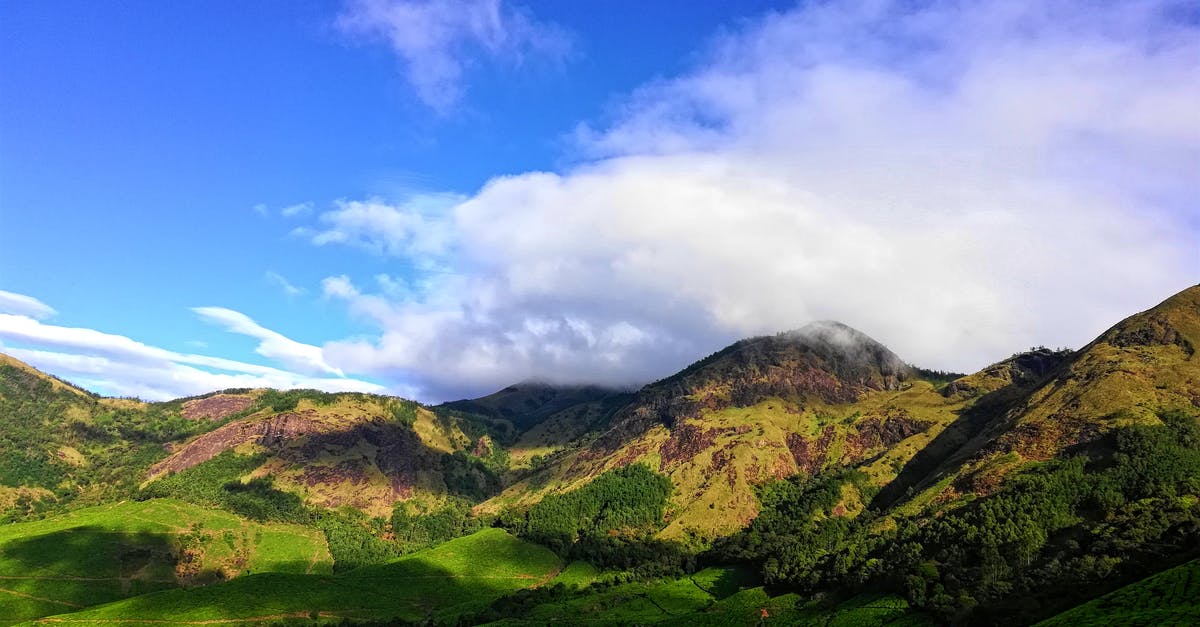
20, 304
438, 40
958, 181
115, 364
284, 284
413, 230
300, 209
260, 209
272, 345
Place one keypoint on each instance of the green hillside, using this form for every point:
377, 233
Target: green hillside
101, 554
1170, 598
459, 577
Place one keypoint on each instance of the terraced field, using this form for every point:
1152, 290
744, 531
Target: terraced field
102, 554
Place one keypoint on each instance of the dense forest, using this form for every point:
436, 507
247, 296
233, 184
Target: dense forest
1056, 534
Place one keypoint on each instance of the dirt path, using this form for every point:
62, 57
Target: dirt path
549, 576
43, 599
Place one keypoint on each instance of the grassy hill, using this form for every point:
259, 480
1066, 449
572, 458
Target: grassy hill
101, 554
459, 577
1171, 597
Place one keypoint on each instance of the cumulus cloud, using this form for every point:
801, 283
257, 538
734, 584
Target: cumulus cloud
116, 364
957, 180
20, 304
272, 345
437, 41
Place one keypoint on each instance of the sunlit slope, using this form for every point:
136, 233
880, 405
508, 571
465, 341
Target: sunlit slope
358, 450
100, 554
1141, 367
762, 409
460, 576
1145, 364
1168, 598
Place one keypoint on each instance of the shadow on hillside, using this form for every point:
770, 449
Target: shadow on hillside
952, 447
399, 454
95, 552
409, 590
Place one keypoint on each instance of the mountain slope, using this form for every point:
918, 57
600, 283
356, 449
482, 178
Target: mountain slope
761, 409
1060, 402
546, 418
105, 553
63, 447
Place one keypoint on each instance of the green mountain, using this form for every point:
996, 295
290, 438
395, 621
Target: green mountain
857, 488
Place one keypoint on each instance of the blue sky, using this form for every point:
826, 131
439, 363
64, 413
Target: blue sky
435, 198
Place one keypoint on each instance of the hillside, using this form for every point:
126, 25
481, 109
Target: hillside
1168, 598
102, 554
546, 418
824, 396
816, 462
1132, 373
342, 449
459, 577
63, 447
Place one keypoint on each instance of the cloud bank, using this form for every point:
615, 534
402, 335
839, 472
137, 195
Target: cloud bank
958, 180
23, 305
119, 365
437, 41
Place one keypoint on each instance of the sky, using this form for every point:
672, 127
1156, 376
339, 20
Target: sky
437, 199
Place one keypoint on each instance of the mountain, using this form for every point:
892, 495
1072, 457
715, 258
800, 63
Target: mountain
815, 461
545, 417
822, 396
60, 444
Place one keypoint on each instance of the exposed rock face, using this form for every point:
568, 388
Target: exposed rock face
215, 407
270, 432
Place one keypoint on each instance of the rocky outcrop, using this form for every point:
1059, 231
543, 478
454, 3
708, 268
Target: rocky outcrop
270, 432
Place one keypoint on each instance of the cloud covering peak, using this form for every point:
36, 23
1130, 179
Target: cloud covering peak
957, 180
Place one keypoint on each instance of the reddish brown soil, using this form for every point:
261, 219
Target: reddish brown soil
876, 432
268, 432
687, 441
810, 454
215, 407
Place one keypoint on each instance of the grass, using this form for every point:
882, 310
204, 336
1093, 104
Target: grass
460, 576
102, 554
714, 493
1171, 597
577, 574
714, 596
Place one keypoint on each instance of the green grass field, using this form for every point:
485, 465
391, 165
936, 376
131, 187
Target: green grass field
1170, 598
102, 554
713, 596
460, 576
